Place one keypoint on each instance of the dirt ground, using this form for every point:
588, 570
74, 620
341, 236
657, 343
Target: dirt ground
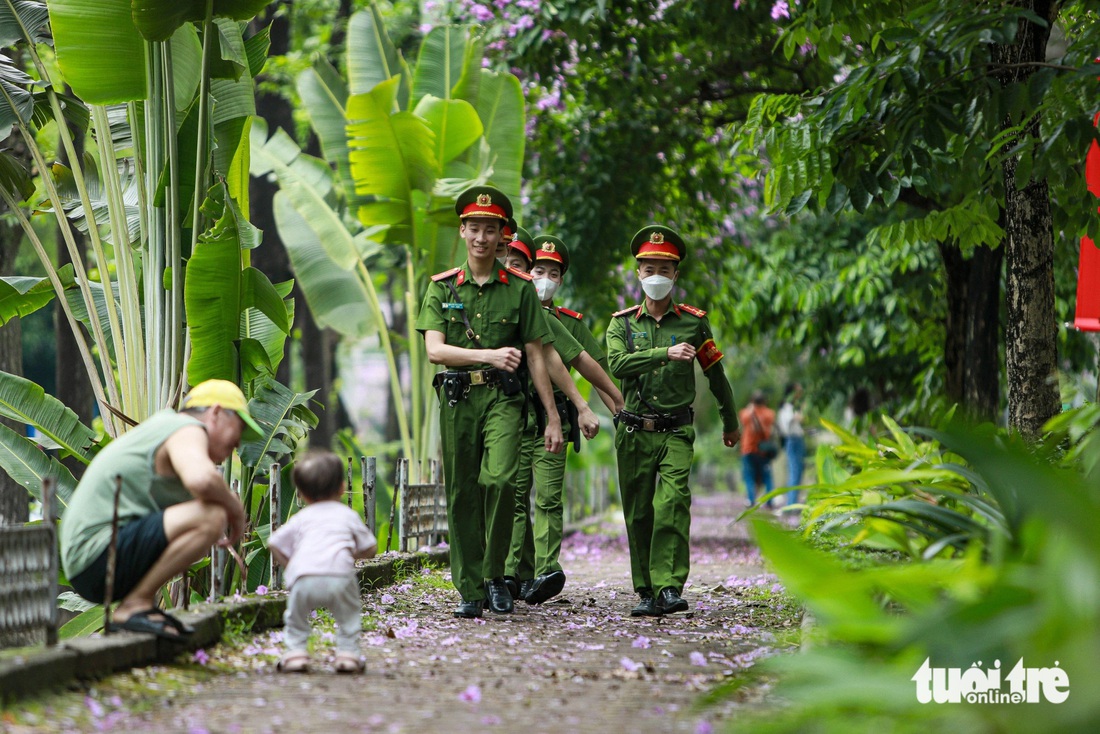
577, 664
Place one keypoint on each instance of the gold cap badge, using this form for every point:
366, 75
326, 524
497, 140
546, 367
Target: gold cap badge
656, 238
484, 200
548, 247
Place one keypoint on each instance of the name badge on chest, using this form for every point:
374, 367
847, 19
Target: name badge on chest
448, 306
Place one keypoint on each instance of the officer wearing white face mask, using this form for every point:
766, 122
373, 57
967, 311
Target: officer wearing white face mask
652, 348
536, 546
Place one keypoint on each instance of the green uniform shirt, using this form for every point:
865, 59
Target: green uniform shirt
580, 331
667, 385
504, 312
567, 347
86, 524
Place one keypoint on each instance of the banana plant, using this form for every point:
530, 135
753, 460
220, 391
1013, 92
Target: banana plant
162, 99
403, 141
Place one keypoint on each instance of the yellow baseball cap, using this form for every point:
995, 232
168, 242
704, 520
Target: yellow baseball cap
224, 393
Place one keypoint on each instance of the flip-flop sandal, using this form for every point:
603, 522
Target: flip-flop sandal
182, 627
141, 622
348, 663
296, 661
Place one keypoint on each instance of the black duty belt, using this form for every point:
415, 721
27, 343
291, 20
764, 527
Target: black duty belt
657, 423
465, 378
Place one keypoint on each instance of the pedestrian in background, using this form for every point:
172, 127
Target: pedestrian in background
758, 448
789, 423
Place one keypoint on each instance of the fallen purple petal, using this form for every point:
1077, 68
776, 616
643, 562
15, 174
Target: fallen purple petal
698, 658
629, 665
472, 694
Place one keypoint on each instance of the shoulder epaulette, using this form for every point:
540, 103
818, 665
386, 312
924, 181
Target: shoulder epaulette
692, 310
570, 312
518, 273
446, 274
625, 311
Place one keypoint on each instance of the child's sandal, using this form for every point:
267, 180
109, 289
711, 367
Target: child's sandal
348, 663
295, 661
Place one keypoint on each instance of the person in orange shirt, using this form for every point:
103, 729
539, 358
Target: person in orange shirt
757, 445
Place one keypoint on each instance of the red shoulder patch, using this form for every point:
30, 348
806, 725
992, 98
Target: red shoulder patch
692, 310
446, 274
517, 273
570, 312
625, 311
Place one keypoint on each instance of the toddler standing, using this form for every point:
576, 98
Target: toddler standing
319, 546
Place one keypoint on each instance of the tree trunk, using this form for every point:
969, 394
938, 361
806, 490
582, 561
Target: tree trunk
14, 499
73, 386
1031, 349
957, 276
971, 344
982, 378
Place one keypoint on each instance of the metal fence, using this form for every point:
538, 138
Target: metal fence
423, 517
28, 579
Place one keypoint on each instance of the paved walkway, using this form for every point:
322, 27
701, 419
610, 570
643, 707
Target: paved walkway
579, 664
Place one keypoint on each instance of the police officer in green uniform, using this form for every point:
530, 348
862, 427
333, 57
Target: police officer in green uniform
476, 319
651, 348
574, 410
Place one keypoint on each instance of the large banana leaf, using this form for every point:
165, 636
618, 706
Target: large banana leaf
18, 18
26, 402
212, 297
324, 98
501, 109
21, 296
23, 461
371, 56
14, 178
99, 51
285, 418
97, 195
257, 328
307, 180
455, 123
157, 20
16, 101
80, 309
336, 297
440, 63
391, 155
186, 65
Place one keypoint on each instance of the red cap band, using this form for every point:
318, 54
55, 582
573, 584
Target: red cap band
516, 244
665, 250
478, 210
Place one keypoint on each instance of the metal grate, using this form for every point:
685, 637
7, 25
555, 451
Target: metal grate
28, 578
423, 505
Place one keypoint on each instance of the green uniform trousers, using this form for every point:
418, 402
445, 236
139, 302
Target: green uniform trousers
481, 440
535, 549
653, 480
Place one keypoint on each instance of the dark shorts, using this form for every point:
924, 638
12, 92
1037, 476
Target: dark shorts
140, 543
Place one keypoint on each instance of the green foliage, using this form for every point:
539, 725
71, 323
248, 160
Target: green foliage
898, 493
1034, 600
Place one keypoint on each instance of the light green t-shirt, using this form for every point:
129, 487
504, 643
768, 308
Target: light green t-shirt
86, 522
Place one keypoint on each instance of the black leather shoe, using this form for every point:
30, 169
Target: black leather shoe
669, 602
546, 587
513, 587
500, 601
470, 609
647, 607
525, 588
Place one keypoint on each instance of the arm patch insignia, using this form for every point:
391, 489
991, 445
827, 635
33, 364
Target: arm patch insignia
708, 354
